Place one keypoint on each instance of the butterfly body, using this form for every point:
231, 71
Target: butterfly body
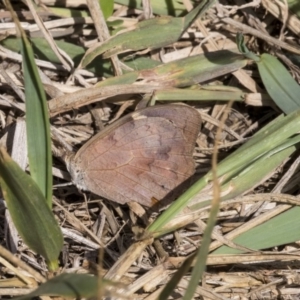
144, 155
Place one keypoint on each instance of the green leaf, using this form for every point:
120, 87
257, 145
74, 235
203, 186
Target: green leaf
200, 264
276, 231
30, 213
202, 253
163, 31
279, 83
243, 48
101, 67
75, 286
271, 136
181, 73
280, 230
172, 283
107, 7
252, 175
186, 71
203, 93
37, 123
66, 285
197, 12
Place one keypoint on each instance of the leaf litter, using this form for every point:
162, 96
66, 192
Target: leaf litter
89, 98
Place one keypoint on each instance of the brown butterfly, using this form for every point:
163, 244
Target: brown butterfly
142, 156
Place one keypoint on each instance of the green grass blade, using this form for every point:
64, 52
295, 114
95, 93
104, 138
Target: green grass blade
101, 67
202, 253
199, 68
264, 141
37, 124
172, 283
254, 240
279, 83
250, 176
186, 71
280, 230
197, 12
163, 31
66, 285
261, 143
107, 7
177, 206
239, 184
30, 213
216, 93
74, 286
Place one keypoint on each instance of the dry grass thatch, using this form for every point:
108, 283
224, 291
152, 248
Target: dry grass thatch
83, 101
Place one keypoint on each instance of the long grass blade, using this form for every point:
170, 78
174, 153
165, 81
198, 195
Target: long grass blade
31, 215
37, 118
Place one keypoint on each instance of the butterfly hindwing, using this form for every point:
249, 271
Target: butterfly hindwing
146, 154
